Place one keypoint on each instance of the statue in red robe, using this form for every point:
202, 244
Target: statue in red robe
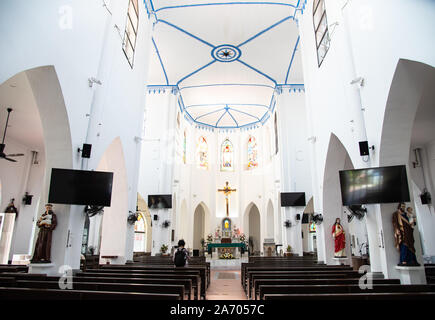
339, 239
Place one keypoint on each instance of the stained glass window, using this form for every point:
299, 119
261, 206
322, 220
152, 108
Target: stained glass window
202, 153
227, 156
139, 234
252, 153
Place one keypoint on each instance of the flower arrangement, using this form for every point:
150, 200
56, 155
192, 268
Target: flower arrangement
163, 248
210, 238
242, 238
226, 254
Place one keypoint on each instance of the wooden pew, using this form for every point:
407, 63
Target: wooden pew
340, 288
101, 286
58, 294
353, 296
314, 281
196, 280
187, 283
250, 290
139, 268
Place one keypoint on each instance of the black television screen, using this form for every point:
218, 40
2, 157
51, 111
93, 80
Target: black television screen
374, 185
81, 187
160, 201
293, 199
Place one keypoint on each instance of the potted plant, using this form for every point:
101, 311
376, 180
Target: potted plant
289, 251
163, 249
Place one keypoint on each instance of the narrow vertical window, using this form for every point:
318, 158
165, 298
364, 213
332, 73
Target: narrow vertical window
202, 153
227, 156
131, 28
184, 147
252, 153
321, 30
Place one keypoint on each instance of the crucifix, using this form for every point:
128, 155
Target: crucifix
227, 191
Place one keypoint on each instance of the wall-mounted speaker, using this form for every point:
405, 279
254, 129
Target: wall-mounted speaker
156, 217
298, 217
425, 198
363, 148
86, 150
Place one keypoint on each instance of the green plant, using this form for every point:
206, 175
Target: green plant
163, 248
289, 249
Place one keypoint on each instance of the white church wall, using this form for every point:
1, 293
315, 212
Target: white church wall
362, 45
424, 213
82, 40
294, 154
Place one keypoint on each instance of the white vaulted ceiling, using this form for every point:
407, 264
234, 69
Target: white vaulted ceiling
226, 59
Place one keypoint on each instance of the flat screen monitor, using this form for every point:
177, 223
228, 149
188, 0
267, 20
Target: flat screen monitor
160, 201
80, 187
374, 185
293, 199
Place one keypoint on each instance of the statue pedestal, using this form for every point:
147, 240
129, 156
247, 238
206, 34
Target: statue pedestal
411, 275
42, 268
340, 261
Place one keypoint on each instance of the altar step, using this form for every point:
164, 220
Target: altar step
226, 264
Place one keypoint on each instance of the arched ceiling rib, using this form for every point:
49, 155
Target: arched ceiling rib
226, 59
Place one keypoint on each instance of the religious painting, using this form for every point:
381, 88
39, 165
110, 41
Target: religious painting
139, 234
227, 156
252, 153
184, 147
202, 153
276, 133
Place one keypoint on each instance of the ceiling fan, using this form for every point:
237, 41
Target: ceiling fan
2, 145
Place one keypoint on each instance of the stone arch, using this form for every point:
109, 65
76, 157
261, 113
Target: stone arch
39, 94
252, 226
201, 218
411, 92
337, 158
114, 225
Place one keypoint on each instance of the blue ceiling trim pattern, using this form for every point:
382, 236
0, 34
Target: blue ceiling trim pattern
197, 70
291, 61
227, 53
186, 32
227, 3
229, 85
160, 59
265, 30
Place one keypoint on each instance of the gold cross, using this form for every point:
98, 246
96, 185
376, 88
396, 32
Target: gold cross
227, 191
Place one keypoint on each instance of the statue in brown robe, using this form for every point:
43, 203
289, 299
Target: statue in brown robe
403, 234
46, 223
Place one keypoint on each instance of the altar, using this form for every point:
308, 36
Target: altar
239, 247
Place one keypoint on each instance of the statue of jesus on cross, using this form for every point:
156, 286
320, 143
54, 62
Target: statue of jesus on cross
227, 191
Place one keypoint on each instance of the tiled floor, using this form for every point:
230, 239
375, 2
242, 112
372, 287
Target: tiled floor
225, 285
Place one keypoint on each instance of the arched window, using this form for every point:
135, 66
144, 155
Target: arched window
252, 153
227, 156
139, 234
202, 153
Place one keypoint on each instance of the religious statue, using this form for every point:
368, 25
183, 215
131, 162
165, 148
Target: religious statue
403, 224
339, 239
46, 223
11, 208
